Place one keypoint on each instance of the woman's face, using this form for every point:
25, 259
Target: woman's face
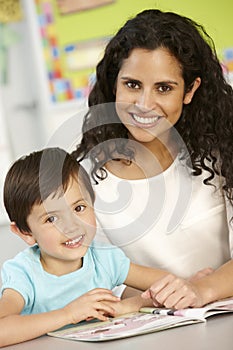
150, 93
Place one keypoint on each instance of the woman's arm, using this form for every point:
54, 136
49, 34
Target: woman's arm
196, 292
217, 285
162, 288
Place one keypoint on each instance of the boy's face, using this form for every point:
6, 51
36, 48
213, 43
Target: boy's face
63, 226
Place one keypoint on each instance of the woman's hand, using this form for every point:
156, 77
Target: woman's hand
174, 292
97, 303
201, 273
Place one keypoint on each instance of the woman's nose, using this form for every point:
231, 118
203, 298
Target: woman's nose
146, 100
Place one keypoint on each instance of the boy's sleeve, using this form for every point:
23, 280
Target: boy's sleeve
119, 265
15, 277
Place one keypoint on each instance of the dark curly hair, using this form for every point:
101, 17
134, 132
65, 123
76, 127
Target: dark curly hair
205, 125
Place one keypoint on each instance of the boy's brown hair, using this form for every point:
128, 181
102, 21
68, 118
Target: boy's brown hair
33, 178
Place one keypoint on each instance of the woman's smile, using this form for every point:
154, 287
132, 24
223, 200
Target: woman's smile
149, 94
144, 121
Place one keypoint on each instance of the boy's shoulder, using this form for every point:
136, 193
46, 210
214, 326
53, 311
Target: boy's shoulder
106, 251
109, 260
25, 257
103, 247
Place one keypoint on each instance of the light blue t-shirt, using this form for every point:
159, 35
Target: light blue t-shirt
104, 266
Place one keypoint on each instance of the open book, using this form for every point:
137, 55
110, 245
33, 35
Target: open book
148, 320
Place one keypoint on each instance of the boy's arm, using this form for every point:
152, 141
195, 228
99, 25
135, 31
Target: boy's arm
139, 278
131, 304
142, 277
130, 292
16, 328
162, 289
11, 303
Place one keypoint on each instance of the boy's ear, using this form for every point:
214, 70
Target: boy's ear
26, 236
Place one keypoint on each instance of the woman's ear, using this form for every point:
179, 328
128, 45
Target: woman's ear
190, 93
26, 236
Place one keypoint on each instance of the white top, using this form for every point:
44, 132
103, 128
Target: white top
171, 221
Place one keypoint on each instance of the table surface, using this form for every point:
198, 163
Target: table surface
215, 334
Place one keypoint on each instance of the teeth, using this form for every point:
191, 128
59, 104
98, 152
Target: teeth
145, 120
74, 241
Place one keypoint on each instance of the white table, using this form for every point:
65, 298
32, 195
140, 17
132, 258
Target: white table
215, 334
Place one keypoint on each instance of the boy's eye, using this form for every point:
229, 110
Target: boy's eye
51, 219
80, 208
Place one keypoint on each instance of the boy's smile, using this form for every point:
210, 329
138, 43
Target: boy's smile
63, 226
75, 242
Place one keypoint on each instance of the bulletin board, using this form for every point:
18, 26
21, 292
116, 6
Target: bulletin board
75, 32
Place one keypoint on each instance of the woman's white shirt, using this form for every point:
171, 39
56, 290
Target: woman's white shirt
171, 221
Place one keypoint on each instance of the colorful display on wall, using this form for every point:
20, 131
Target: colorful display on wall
10, 11
70, 68
70, 6
227, 60
70, 63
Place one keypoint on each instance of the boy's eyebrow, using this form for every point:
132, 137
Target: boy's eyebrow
50, 212
47, 213
83, 199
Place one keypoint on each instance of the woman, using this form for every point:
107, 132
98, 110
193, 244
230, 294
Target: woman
159, 136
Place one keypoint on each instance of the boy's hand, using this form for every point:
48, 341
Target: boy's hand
94, 304
173, 292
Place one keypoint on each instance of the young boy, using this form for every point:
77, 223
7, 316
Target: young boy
64, 277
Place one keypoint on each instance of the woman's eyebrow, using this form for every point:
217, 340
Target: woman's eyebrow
129, 78
165, 82
162, 82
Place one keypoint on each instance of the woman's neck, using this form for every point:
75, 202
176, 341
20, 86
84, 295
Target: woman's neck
150, 159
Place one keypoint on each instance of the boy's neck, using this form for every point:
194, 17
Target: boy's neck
60, 268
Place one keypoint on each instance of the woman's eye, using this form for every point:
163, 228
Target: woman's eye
80, 208
164, 88
51, 219
133, 85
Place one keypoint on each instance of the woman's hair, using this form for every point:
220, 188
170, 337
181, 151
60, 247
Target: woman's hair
205, 125
33, 178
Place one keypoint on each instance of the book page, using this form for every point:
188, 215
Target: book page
221, 306
122, 327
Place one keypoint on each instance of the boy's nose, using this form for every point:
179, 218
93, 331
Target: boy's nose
70, 225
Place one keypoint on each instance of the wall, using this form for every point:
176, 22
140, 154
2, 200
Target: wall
105, 21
